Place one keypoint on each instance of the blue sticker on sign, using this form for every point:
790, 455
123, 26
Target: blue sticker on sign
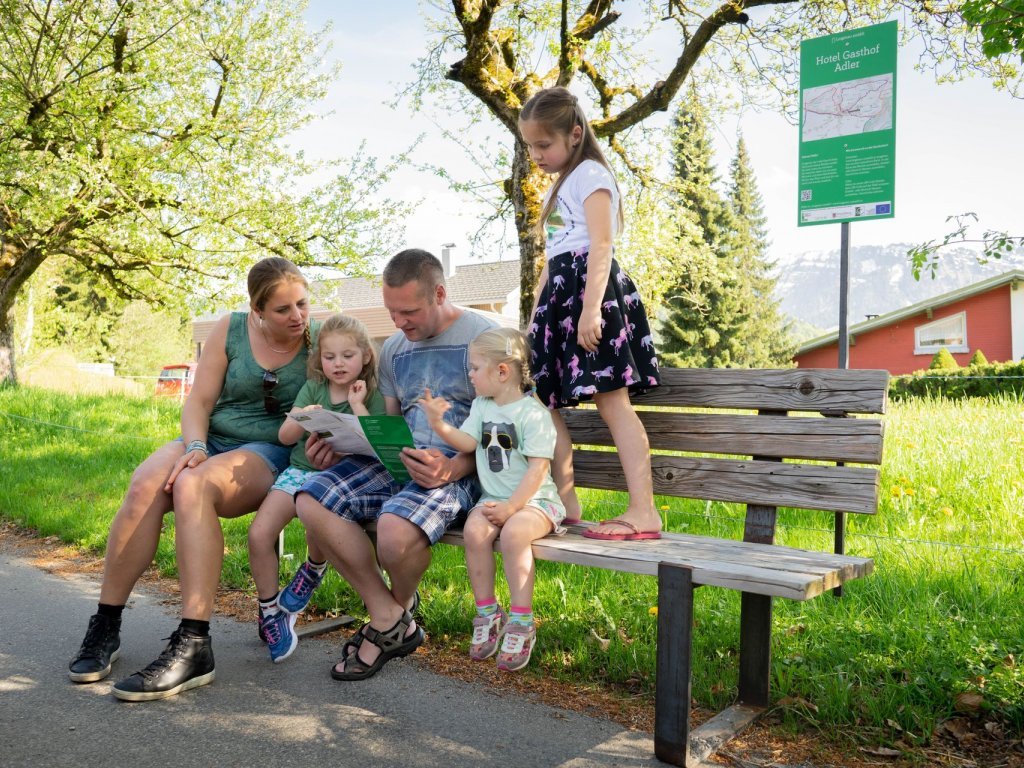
883, 208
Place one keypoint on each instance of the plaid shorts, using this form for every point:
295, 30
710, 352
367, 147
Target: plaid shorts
359, 489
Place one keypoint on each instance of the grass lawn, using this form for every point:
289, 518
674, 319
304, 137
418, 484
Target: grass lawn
941, 617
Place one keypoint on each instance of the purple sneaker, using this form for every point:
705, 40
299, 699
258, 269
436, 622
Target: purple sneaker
295, 596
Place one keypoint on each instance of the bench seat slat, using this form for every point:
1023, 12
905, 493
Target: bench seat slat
764, 569
791, 389
850, 440
768, 483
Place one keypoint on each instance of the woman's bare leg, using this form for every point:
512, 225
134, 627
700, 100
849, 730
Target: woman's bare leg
227, 485
135, 531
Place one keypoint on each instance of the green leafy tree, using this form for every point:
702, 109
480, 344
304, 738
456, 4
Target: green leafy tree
487, 57
1001, 23
144, 339
145, 143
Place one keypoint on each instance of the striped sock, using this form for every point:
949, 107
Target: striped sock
487, 607
521, 614
318, 567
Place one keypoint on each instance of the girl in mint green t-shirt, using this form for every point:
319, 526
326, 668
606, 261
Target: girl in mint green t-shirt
343, 378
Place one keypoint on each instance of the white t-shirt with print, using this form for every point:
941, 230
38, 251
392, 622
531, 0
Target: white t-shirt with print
566, 226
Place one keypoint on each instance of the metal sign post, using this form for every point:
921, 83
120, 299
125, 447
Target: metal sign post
847, 148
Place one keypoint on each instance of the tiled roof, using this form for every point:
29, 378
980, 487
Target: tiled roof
471, 284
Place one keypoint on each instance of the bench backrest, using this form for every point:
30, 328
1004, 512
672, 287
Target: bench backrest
753, 457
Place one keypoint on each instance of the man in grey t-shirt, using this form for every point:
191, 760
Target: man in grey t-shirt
430, 349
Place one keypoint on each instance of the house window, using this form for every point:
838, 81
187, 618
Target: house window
949, 332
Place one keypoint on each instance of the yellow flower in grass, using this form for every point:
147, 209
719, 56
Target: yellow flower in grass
665, 507
947, 511
897, 491
909, 491
653, 610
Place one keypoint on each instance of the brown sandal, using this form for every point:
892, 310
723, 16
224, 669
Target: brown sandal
392, 643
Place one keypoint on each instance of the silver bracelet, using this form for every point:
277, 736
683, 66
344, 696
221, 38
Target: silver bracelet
197, 445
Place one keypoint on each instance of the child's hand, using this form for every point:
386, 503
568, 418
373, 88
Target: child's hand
311, 407
357, 392
588, 330
435, 407
497, 512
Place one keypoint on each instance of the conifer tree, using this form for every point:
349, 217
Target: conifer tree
703, 314
764, 334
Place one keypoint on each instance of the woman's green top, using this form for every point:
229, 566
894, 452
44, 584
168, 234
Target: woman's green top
239, 415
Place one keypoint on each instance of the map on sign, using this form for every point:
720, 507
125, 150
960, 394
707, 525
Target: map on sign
854, 106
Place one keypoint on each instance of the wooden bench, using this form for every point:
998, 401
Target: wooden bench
747, 465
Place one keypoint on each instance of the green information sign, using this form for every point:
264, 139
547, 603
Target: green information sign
848, 126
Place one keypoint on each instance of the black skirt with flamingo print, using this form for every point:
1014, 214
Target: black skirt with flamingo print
565, 373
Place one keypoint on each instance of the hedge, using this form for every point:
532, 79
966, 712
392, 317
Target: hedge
972, 381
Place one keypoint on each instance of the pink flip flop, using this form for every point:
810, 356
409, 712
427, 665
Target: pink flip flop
636, 534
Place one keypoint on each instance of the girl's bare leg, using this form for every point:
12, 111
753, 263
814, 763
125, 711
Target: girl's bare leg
561, 469
479, 535
517, 537
273, 515
634, 451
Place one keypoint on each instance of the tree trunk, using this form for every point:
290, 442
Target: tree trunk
16, 266
527, 194
7, 373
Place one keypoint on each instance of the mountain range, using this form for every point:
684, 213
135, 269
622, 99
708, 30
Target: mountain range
881, 281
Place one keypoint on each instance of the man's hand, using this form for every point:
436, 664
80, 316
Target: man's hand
320, 453
428, 467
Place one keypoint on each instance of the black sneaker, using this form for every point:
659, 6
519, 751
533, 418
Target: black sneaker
187, 662
100, 649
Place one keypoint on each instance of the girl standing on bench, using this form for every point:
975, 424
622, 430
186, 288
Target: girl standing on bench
513, 437
589, 334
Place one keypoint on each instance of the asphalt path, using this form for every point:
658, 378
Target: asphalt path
256, 713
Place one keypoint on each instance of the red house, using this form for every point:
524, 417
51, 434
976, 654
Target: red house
988, 315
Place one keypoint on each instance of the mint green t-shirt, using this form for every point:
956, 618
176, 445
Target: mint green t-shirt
319, 393
507, 436
239, 415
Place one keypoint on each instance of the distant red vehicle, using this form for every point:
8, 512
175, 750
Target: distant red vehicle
176, 380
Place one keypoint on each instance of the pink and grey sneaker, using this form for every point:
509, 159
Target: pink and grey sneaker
516, 646
487, 632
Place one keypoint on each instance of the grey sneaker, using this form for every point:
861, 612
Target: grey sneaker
100, 649
516, 647
487, 633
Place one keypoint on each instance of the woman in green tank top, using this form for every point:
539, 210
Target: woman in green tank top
251, 368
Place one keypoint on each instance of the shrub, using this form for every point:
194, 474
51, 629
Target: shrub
978, 358
975, 381
943, 361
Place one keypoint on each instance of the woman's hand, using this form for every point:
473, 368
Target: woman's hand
588, 332
188, 461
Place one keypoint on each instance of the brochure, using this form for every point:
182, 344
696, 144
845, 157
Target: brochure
381, 435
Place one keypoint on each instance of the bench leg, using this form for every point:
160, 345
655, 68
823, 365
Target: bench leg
672, 697
755, 648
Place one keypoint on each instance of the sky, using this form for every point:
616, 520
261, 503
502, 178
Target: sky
957, 145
